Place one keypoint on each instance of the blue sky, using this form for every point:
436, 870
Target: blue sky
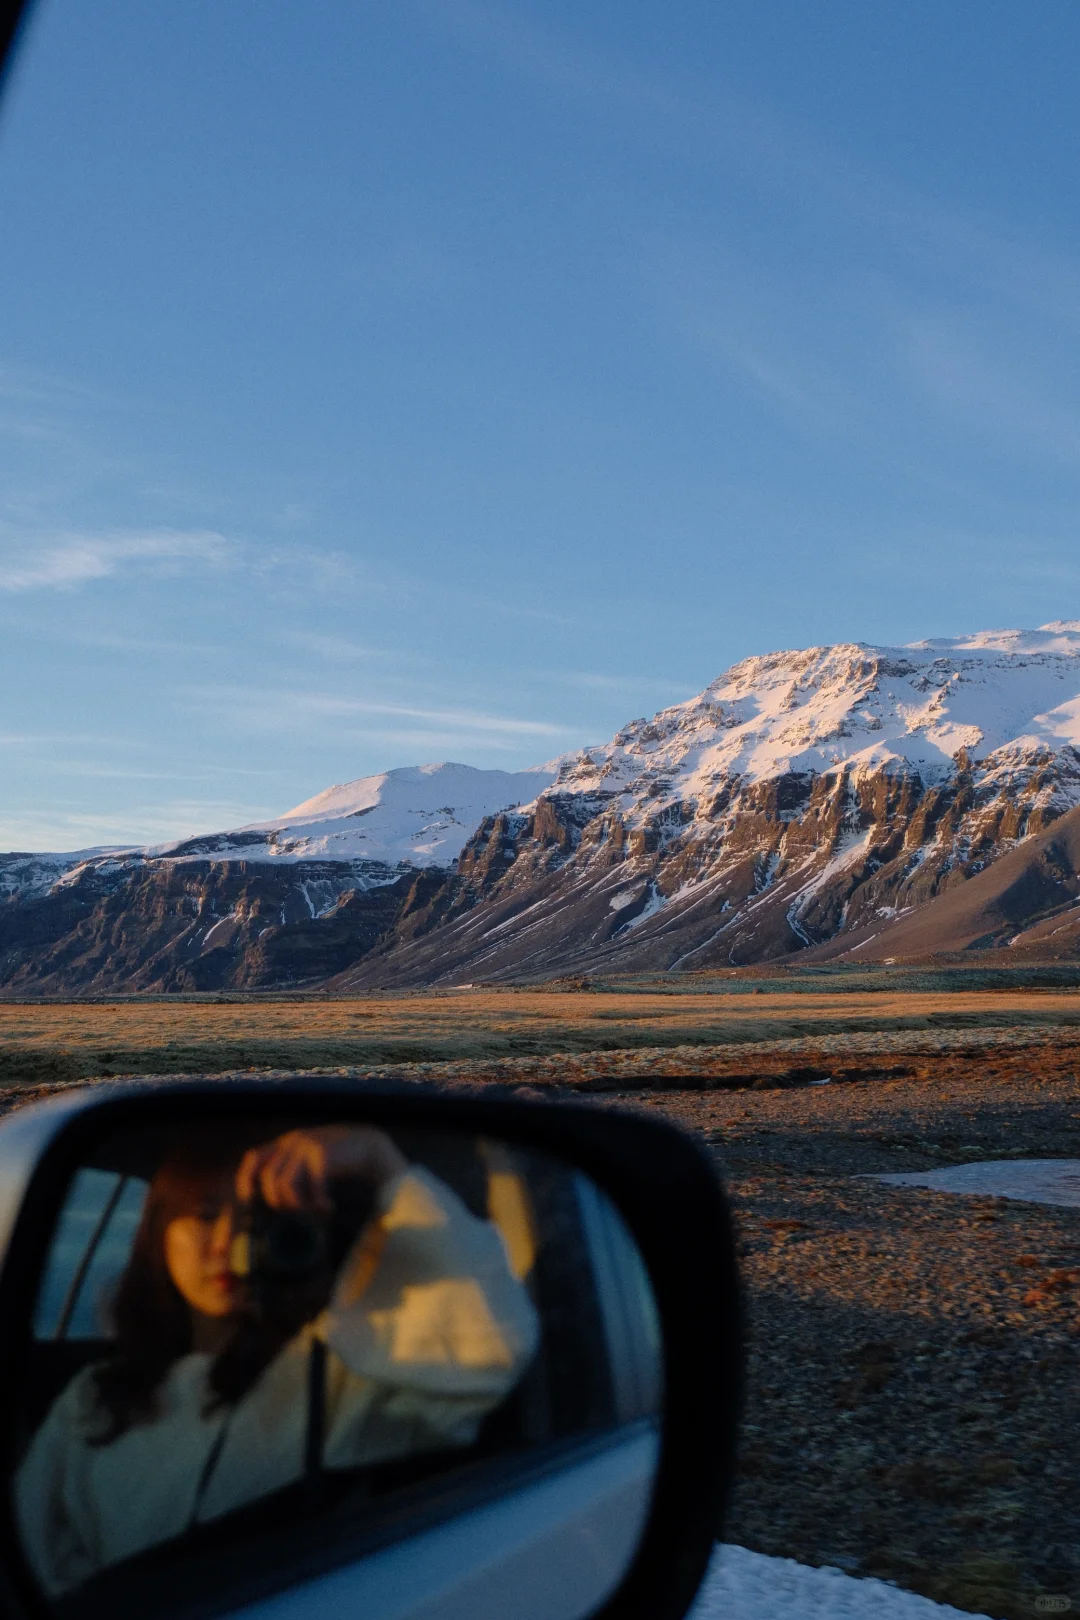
426, 379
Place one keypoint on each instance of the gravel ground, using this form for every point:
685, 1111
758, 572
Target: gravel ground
913, 1401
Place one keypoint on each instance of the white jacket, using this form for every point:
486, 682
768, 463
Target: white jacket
426, 1331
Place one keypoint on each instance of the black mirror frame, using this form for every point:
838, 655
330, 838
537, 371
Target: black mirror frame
13, 19
667, 1191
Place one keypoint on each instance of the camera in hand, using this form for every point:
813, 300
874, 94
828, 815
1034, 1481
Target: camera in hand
279, 1247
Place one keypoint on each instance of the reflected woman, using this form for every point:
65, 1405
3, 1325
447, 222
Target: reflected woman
412, 1325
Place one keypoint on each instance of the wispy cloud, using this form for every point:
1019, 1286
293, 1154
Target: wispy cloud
62, 560
336, 649
116, 642
32, 385
353, 717
822, 353
590, 681
118, 773
58, 739
547, 57
732, 324
994, 391
461, 719
504, 608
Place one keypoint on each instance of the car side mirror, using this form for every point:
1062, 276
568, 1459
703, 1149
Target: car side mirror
291, 1348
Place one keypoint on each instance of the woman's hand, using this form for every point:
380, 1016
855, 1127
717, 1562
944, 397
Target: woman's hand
294, 1171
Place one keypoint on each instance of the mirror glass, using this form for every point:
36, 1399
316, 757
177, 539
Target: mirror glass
293, 1362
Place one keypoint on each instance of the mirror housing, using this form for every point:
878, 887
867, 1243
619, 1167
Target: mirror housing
664, 1188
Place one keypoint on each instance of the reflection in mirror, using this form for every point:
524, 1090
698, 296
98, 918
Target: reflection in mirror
266, 1351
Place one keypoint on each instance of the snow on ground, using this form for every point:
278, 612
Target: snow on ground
1033, 1181
744, 1585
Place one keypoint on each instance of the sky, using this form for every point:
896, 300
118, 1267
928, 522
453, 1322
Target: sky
408, 380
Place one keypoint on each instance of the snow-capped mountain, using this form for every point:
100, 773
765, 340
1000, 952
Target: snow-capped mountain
801, 796
291, 898
1000, 696
420, 815
801, 799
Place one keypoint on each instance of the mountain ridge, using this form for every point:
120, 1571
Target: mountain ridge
801, 798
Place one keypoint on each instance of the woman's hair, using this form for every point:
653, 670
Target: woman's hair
152, 1320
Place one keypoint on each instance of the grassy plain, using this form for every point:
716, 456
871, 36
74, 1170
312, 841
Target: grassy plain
42, 1041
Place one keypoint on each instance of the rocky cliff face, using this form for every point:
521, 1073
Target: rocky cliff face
196, 925
781, 866
802, 799
276, 905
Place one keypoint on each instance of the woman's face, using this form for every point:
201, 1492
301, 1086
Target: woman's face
197, 1251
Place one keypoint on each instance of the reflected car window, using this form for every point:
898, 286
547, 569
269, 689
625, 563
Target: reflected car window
88, 1254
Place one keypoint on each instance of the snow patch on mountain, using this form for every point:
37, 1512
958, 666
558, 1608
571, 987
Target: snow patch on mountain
27, 874
853, 848
419, 815
1002, 697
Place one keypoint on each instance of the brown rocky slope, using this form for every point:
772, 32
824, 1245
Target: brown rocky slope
781, 867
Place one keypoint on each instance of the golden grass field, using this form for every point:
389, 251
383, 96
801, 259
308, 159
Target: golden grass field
71, 1040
